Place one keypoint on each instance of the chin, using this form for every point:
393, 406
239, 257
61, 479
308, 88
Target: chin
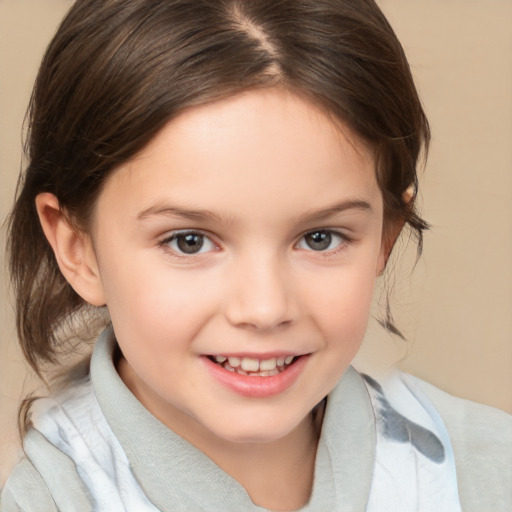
261, 431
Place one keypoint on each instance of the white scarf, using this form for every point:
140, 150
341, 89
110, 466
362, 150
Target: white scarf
414, 463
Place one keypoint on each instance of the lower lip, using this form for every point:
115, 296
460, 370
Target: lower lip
257, 387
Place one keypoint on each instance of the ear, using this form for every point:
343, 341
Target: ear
73, 250
390, 233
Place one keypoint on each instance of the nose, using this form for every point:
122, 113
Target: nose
261, 294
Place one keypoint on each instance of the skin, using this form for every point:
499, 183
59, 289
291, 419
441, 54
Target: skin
268, 167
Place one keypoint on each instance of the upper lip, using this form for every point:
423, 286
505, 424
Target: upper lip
266, 355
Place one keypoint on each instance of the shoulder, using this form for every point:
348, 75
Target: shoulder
46, 480
26, 491
481, 437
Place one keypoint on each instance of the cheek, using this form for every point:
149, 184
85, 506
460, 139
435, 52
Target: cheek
341, 305
153, 301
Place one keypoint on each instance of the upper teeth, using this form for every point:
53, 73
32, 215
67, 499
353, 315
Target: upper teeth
250, 364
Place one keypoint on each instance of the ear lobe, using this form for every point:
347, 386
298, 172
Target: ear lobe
73, 250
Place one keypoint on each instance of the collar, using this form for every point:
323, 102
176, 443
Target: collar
177, 476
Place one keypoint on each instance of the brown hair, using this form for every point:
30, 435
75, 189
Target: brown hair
118, 70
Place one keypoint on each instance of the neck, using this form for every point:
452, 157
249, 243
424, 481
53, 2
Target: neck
277, 475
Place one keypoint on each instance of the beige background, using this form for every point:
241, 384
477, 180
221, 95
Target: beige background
456, 307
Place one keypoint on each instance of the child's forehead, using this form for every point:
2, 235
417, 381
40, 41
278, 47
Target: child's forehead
271, 115
265, 150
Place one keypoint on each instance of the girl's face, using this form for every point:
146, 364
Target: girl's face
237, 256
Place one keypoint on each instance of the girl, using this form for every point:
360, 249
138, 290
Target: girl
227, 179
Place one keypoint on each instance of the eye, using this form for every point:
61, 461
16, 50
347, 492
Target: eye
189, 242
321, 240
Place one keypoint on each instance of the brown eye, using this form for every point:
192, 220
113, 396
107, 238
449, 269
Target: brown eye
189, 243
321, 240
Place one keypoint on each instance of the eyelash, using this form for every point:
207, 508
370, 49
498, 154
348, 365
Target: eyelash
176, 236
342, 244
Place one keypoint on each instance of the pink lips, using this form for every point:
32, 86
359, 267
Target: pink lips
257, 387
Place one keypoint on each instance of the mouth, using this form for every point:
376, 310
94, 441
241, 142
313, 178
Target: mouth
253, 367
256, 378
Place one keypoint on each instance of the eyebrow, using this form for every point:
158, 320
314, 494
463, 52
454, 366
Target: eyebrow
324, 213
211, 216
193, 215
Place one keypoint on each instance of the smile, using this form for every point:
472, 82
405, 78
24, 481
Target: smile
253, 377
254, 367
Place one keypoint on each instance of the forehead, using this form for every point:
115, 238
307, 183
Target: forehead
258, 148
